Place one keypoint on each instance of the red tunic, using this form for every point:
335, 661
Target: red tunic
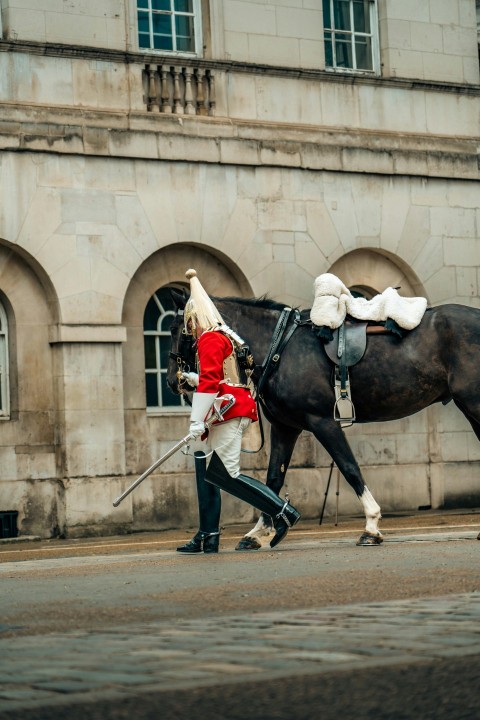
213, 348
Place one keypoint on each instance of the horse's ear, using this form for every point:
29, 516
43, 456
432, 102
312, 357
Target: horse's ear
179, 298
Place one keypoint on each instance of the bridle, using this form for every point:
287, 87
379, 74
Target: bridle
184, 357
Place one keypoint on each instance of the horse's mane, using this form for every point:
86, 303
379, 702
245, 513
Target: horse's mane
260, 302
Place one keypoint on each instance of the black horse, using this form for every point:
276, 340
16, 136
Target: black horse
436, 362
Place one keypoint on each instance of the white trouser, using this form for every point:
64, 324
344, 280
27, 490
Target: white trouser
226, 439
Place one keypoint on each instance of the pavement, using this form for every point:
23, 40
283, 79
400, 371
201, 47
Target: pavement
83, 670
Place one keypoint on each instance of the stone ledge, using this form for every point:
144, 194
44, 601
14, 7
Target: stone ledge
87, 334
258, 146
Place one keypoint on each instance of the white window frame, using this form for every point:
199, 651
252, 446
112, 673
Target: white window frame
158, 370
197, 30
374, 40
4, 366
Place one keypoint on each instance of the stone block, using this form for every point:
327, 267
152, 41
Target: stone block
249, 17
396, 33
460, 251
300, 23
8, 460
453, 222
426, 36
442, 286
467, 284
312, 54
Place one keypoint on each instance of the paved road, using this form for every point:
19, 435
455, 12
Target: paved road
318, 628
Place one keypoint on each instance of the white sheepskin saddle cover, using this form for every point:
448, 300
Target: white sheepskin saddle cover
333, 301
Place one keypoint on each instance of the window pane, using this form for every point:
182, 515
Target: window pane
150, 352
143, 22
183, 6
162, 42
162, 24
343, 50
151, 315
169, 399
327, 23
184, 30
152, 390
341, 14
363, 52
164, 342
166, 322
161, 5
328, 50
142, 3
361, 16
143, 40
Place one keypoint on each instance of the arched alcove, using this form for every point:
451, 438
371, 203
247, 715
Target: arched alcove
371, 271
164, 268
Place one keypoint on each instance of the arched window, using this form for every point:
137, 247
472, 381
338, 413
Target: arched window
157, 319
4, 365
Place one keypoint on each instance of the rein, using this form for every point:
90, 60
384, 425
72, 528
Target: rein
280, 338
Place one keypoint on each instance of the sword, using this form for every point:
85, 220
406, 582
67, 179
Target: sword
217, 415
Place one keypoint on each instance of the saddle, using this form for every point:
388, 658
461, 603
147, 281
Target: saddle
345, 350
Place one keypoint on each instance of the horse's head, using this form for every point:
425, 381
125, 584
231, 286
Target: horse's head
182, 353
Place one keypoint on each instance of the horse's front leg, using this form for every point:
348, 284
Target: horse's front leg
333, 439
282, 443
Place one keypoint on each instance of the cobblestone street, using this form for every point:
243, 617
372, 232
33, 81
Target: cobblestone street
82, 668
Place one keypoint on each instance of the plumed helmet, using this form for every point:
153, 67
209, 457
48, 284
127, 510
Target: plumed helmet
200, 310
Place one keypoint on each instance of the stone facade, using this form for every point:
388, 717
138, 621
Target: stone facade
262, 168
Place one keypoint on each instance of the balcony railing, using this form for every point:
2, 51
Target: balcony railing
179, 90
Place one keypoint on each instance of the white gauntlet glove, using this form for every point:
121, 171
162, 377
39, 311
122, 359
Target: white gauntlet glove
201, 405
196, 429
191, 378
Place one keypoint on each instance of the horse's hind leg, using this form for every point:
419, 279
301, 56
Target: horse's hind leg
332, 437
282, 443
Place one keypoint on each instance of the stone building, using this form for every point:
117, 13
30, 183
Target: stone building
263, 142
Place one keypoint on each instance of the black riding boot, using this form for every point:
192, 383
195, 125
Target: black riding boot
209, 506
257, 494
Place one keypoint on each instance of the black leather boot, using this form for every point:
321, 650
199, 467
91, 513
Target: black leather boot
193, 546
209, 507
257, 494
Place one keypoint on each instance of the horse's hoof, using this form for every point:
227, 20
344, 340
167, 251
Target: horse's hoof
369, 539
248, 543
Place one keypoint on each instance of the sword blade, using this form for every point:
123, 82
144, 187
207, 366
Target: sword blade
153, 467
184, 441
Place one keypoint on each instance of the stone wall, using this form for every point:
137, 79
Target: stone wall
291, 172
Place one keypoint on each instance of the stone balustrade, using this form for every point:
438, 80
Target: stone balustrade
179, 89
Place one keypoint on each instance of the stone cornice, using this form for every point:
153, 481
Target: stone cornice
56, 50
153, 136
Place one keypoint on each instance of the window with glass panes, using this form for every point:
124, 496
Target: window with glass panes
4, 369
349, 33
157, 319
169, 25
